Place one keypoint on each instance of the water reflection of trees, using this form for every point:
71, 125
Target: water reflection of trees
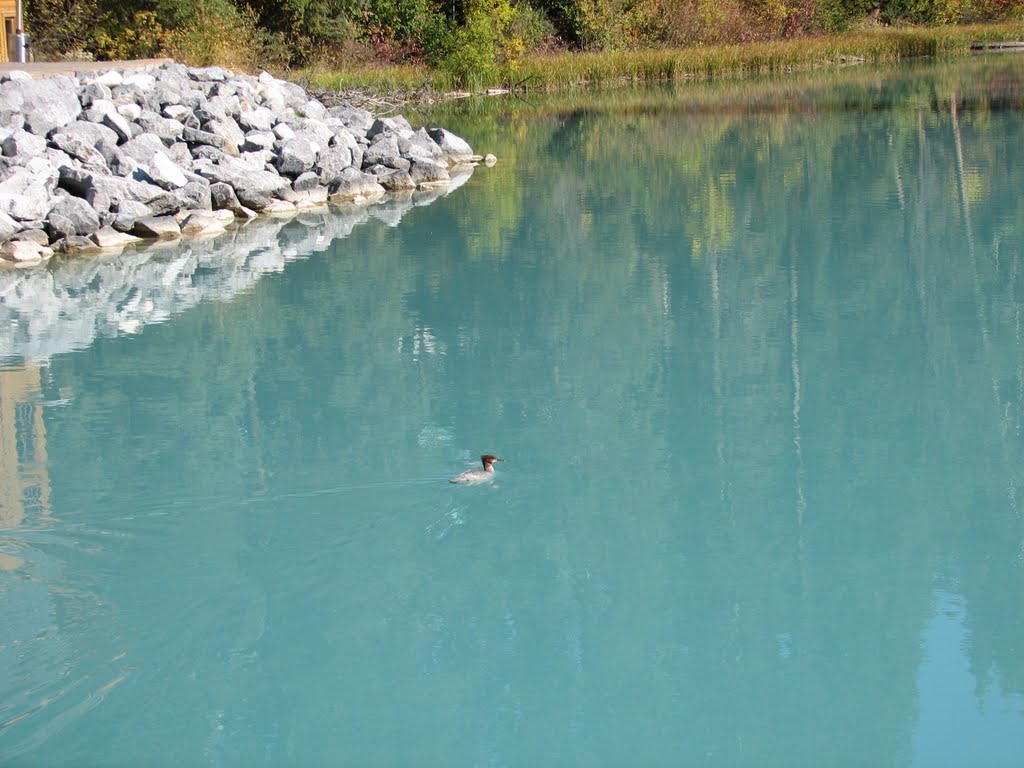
821, 379
753, 192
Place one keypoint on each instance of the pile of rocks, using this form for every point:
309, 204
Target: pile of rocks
103, 159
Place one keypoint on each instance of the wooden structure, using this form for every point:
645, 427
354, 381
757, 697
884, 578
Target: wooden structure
8, 30
997, 45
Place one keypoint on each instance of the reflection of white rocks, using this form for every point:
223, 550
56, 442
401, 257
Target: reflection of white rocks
138, 152
44, 312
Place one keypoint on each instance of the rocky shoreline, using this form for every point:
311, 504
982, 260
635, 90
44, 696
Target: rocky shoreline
103, 159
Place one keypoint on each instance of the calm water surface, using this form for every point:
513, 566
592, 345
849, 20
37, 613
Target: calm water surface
756, 368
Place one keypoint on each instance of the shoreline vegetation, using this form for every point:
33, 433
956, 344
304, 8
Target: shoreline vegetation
424, 50
380, 88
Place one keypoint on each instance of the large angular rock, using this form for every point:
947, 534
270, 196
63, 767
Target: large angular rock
228, 130
283, 131
179, 153
34, 235
353, 184
312, 109
297, 156
383, 151
358, 121
178, 92
92, 133
129, 112
8, 226
82, 150
209, 74
228, 105
278, 95
117, 161
91, 92
45, 168
174, 111
316, 131
307, 198
108, 237
128, 212
454, 147
12, 100
118, 124
165, 172
50, 102
23, 196
202, 224
110, 78
258, 119
99, 109
23, 144
206, 152
135, 86
167, 203
194, 136
105, 193
224, 198
279, 208
420, 145
74, 244
306, 182
332, 162
255, 189
144, 148
256, 141
71, 216
425, 171
25, 251
165, 128
196, 193
262, 160
397, 181
160, 227
396, 125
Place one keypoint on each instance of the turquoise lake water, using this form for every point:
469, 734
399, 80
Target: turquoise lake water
754, 360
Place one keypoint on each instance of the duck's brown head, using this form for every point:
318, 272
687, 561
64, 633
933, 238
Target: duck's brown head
488, 459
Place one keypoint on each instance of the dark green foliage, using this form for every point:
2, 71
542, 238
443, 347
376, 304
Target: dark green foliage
306, 28
61, 27
399, 29
566, 16
914, 11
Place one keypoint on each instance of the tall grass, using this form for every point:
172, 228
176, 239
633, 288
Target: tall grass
561, 71
571, 70
379, 78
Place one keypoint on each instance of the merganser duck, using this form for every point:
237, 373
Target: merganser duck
473, 476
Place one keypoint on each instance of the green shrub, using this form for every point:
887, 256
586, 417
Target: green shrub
142, 37
400, 29
471, 52
308, 30
216, 33
534, 29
